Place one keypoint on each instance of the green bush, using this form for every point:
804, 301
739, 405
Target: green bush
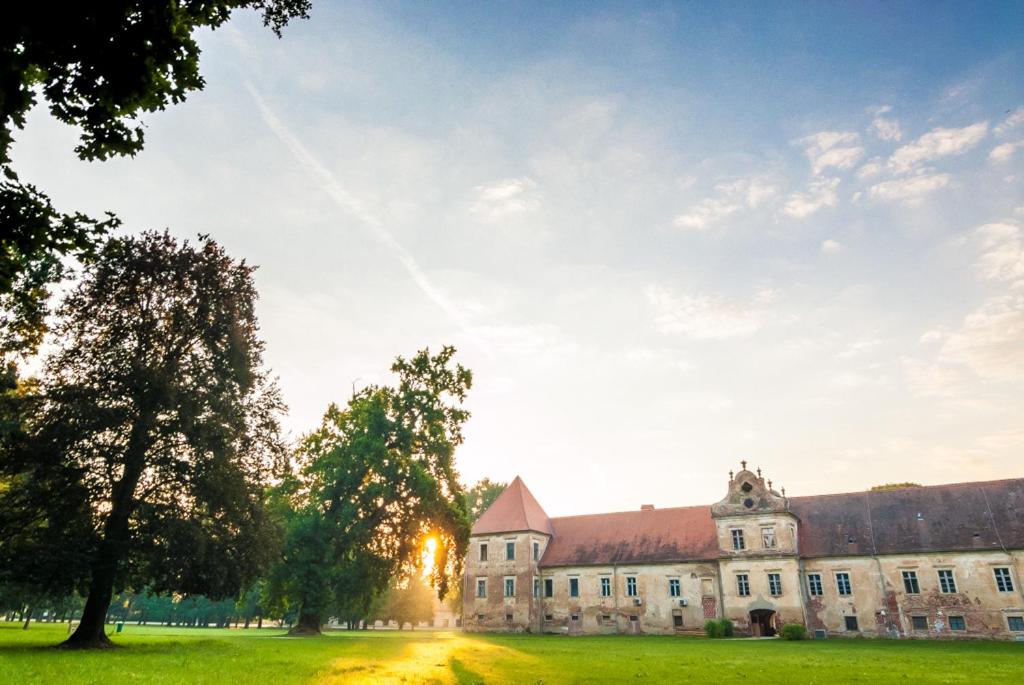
793, 631
722, 628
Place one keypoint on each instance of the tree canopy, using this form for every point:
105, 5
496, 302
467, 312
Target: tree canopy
377, 478
481, 496
145, 452
98, 66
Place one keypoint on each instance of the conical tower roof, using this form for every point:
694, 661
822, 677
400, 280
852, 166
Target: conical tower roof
515, 509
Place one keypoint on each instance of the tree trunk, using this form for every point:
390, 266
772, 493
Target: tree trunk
28, 618
308, 624
90, 633
259, 621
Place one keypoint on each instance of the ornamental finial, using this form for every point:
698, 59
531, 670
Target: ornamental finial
758, 471
769, 484
730, 474
744, 464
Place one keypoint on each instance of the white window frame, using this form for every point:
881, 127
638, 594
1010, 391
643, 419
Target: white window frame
843, 578
631, 587
1004, 579
775, 584
481, 583
739, 542
768, 539
505, 585
606, 586
742, 584
947, 581
815, 588
675, 587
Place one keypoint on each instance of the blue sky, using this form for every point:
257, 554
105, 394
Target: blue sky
664, 237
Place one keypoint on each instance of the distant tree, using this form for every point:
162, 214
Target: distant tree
404, 601
481, 496
98, 66
377, 477
153, 436
894, 486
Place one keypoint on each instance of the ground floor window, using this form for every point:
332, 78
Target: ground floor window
851, 623
549, 587
549, 617
843, 584
536, 587
481, 587
1015, 623
574, 587
508, 617
677, 619
631, 587
742, 585
957, 623
673, 587
774, 584
480, 618
606, 587
510, 587
814, 584
605, 619
919, 622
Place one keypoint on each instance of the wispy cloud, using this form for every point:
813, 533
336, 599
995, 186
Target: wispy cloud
1004, 152
884, 128
732, 196
832, 149
939, 142
910, 189
505, 197
707, 317
1012, 120
820, 193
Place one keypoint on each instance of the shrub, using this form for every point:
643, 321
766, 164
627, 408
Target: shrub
722, 628
793, 631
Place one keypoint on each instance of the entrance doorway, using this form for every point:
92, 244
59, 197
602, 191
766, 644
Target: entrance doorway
762, 623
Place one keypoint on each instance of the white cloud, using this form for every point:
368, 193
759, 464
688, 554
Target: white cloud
1003, 153
1013, 120
885, 128
1002, 256
820, 194
836, 149
909, 190
505, 197
733, 196
704, 317
991, 340
939, 142
706, 213
871, 169
832, 246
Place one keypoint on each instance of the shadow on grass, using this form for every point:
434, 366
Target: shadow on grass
463, 675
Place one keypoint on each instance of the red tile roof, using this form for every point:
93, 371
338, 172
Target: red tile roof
656, 535
515, 509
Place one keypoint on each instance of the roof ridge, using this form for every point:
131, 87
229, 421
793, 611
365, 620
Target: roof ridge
960, 484
633, 511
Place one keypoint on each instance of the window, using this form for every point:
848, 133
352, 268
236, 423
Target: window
851, 622
843, 584
677, 619
549, 617
606, 587
549, 587
814, 588
633, 619
510, 550
508, 617
480, 618
957, 623
946, 582
510, 587
605, 619
631, 586
774, 584
673, 587
574, 617
919, 622
910, 583
768, 538
742, 585
574, 587
1003, 581
481, 587
737, 539
483, 551
536, 551
536, 587
1015, 623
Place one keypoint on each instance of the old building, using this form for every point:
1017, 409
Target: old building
941, 562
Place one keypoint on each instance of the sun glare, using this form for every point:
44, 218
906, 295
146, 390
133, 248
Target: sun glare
429, 554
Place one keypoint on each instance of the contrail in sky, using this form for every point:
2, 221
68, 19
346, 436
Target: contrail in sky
350, 204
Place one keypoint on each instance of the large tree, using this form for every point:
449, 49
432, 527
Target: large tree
481, 496
98, 66
378, 477
154, 434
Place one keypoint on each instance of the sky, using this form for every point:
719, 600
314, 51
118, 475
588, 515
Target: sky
665, 237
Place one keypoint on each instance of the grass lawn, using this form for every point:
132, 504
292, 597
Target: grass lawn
183, 655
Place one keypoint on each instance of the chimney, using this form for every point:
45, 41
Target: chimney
646, 507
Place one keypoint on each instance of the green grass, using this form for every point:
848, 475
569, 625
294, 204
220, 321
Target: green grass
181, 655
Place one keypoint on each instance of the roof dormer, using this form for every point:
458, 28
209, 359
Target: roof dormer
750, 493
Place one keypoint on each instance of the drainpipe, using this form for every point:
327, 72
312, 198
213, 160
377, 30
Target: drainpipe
878, 565
615, 594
